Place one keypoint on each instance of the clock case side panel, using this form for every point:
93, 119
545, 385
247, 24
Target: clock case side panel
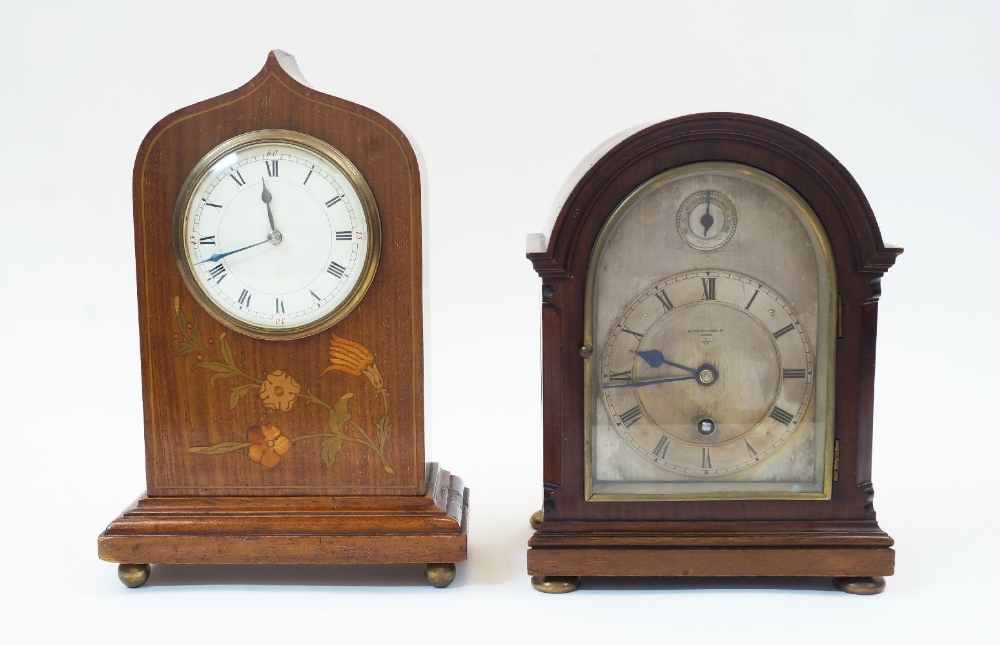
276, 98
860, 258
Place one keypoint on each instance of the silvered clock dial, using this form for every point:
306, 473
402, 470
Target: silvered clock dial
713, 367
706, 373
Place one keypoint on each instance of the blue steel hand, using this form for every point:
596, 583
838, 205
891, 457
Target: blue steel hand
215, 257
655, 358
653, 382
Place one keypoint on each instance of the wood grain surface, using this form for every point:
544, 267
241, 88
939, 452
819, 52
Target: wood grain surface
183, 408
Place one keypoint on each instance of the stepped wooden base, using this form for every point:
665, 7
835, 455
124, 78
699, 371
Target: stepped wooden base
431, 529
857, 553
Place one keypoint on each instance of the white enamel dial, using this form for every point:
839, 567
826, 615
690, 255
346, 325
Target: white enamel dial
277, 234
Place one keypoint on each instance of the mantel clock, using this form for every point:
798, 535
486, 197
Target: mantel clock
279, 267
708, 336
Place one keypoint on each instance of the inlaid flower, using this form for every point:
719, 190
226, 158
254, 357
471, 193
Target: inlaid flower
348, 356
278, 391
268, 445
372, 373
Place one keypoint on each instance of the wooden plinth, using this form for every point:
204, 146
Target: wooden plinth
834, 549
432, 528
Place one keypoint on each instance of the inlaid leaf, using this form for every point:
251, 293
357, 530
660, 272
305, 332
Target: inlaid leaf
227, 352
219, 448
214, 366
331, 448
237, 393
340, 415
383, 430
184, 349
221, 375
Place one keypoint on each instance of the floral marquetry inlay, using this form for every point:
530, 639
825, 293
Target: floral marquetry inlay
280, 391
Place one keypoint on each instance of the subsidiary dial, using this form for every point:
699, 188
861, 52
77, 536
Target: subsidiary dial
706, 220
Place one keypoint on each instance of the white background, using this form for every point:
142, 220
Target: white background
504, 99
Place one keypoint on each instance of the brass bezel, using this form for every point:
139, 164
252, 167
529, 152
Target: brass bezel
831, 332
314, 146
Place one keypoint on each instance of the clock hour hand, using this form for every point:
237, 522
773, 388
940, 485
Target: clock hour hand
215, 257
655, 358
652, 382
265, 196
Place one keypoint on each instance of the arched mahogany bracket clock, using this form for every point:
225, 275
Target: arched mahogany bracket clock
709, 298
278, 256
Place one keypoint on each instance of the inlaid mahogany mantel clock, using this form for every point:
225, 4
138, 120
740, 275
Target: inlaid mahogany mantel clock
278, 252
709, 302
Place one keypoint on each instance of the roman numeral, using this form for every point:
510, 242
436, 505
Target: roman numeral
784, 330
245, 298
210, 239
781, 416
664, 300
336, 270
279, 306
706, 458
213, 205
272, 167
333, 201
753, 453
708, 288
793, 374
238, 178
630, 416
629, 331
218, 272
620, 376
308, 175
661, 448
314, 295
343, 236
752, 298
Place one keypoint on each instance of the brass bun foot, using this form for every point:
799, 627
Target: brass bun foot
536, 519
862, 586
133, 575
555, 584
439, 575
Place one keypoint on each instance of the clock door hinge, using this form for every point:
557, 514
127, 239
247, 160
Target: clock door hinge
840, 316
836, 459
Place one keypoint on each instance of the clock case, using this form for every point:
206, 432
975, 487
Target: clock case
348, 505
838, 537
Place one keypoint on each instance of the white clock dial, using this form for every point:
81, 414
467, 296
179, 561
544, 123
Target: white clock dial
277, 234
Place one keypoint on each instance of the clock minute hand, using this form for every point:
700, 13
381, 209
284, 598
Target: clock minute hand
655, 358
215, 257
671, 379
